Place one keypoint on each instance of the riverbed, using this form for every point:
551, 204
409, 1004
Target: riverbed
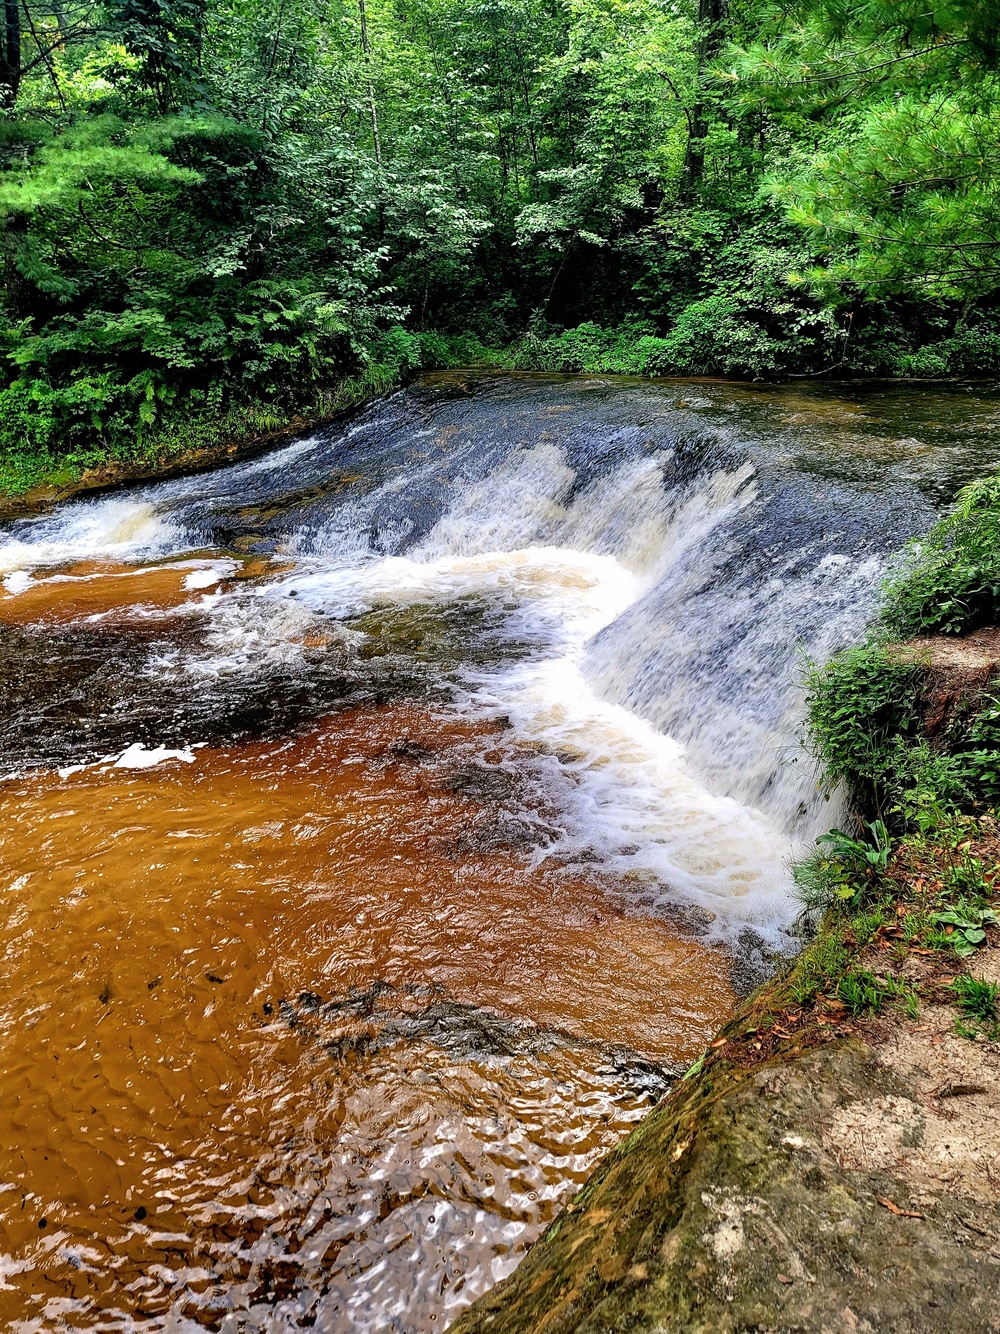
389, 819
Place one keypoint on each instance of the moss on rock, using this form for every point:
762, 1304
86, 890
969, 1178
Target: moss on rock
735, 1207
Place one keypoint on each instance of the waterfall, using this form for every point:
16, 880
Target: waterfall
648, 583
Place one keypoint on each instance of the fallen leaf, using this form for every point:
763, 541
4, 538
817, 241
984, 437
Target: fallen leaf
783, 1278
895, 1209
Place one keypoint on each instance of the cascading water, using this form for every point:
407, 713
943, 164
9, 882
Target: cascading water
488, 700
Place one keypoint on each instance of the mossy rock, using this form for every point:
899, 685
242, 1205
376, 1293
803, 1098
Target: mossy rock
731, 1209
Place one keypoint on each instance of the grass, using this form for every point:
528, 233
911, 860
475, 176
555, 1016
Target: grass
979, 1006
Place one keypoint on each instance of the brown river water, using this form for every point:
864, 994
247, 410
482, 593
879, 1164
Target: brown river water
388, 820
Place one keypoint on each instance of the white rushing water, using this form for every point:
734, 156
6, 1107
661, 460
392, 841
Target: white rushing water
632, 798
113, 528
663, 677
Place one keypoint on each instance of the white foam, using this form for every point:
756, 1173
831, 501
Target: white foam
213, 572
275, 460
111, 528
135, 756
138, 756
18, 581
635, 801
632, 798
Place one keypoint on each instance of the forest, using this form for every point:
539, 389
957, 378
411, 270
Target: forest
219, 216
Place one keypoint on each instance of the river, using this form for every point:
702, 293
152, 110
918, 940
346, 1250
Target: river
390, 817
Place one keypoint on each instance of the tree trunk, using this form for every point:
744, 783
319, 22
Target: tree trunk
371, 84
19, 292
712, 16
10, 55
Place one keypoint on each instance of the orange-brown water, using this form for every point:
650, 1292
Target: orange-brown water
245, 1029
98, 588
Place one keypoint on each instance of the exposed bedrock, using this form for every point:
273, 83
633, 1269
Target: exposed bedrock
830, 1189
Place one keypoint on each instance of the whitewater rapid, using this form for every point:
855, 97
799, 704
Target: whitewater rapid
662, 588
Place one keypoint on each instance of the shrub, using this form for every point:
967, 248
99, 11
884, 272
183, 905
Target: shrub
953, 583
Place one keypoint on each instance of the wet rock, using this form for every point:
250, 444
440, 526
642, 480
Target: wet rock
740, 1204
75, 693
371, 1019
465, 631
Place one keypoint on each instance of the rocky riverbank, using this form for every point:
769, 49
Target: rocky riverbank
819, 1172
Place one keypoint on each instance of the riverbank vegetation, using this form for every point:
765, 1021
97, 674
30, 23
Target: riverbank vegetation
218, 214
910, 720
909, 724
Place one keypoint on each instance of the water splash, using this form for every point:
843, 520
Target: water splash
111, 528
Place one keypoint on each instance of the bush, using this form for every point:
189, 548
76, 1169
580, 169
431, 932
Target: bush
953, 583
858, 705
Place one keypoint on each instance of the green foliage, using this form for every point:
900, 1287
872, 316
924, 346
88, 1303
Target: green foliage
860, 991
858, 856
953, 583
817, 880
901, 187
819, 968
865, 705
859, 704
757, 323
979, 1000
843, 868
965, 929
208, 206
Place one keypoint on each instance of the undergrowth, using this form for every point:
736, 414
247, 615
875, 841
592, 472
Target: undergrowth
53, 438
930, 896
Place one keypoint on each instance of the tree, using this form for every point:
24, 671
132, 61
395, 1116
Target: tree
903, 181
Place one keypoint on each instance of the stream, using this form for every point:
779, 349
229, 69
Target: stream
389, 818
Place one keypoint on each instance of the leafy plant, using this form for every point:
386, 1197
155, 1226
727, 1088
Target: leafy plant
965, 929
953, 583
